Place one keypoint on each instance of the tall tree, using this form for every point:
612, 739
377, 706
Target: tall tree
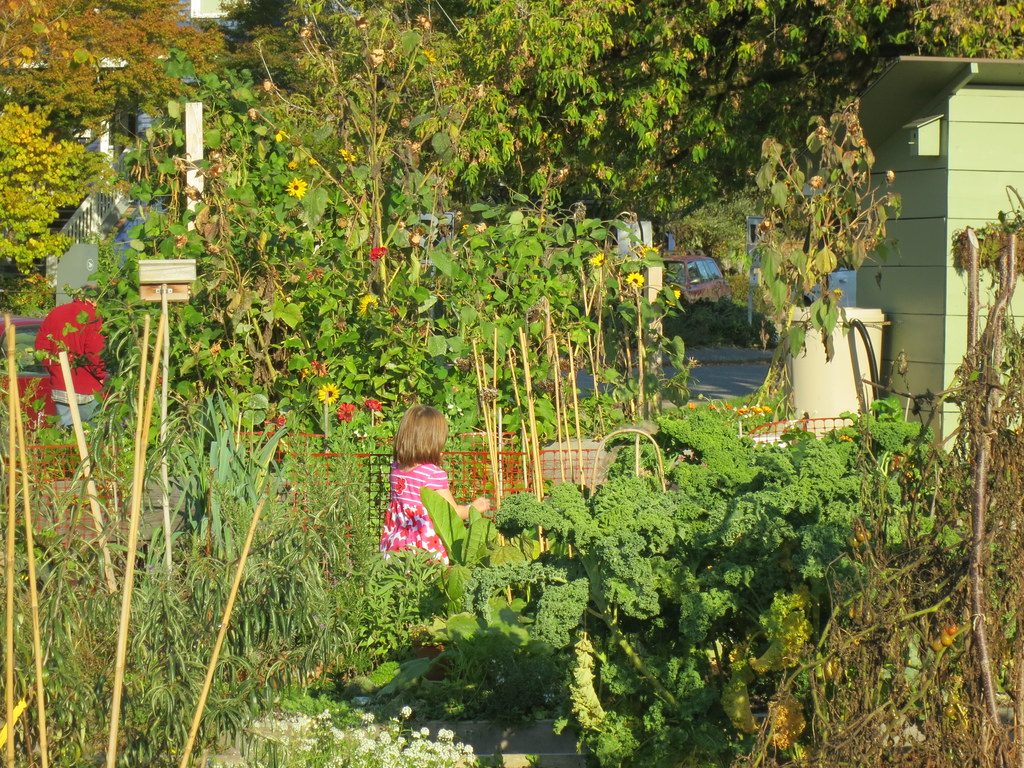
660, 104
85, 60
40, 175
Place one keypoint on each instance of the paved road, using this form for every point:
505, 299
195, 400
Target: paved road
719, 382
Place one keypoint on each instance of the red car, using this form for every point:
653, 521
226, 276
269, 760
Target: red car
697, 275
33, 379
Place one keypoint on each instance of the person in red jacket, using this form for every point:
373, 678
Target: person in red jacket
74, 328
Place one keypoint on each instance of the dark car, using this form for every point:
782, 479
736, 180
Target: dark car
697, 275
33, 379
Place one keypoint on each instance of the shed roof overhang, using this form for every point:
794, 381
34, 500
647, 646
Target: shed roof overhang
912, 84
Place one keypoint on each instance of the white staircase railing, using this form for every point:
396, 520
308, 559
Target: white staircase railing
95, 216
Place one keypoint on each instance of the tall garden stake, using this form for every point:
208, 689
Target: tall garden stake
485, 399
576, 412
165, 502
538, 476
12, 489
145, 409
523, 440
981, 439
222, 632
33, 592
557, 373
90, 485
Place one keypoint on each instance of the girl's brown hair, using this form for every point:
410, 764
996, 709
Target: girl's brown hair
421, 437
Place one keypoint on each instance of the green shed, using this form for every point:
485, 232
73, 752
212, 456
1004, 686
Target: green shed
953, 131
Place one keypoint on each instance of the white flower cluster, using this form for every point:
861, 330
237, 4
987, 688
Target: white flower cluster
316, 742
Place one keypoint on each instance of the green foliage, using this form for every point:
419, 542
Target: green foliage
319, 268
41, 175
467, 544
285, 630
820, 214
708, 323
686, 604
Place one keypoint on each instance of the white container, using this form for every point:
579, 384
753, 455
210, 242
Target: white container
822, 388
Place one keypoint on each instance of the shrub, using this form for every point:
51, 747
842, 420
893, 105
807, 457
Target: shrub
708, 323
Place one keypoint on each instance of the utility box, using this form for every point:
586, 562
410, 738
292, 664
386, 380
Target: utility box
952, 130
74, 269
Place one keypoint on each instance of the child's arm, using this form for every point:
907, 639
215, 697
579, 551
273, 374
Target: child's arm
462, 510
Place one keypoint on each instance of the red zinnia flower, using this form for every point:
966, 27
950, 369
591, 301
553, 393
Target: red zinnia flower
377, 253
282, 420
318, 368
373, 405
345, 412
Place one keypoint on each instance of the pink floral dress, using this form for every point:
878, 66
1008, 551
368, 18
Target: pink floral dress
406, 522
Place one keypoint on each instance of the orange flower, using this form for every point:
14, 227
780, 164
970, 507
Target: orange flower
692, 406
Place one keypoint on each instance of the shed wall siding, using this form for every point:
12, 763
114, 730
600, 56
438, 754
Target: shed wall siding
910, 285
986, 139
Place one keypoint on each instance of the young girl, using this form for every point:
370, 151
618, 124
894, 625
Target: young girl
418, 444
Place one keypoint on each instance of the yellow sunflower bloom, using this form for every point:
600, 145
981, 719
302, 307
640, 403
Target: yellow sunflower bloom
429, 55
280, 136
296, 188
368, 302
328, 393
346, 155
598, 260
677, 292
635, 280
292, 165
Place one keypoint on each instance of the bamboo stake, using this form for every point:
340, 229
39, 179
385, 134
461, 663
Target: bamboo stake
576, 414
12, 388
641, 362
221, 635
90, 485
33, 592
145, 407
485, 411
570, 455
164, 480
524, 443
556, 372
538, 476
496, 419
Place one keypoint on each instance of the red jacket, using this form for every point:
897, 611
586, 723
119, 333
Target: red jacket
77, 329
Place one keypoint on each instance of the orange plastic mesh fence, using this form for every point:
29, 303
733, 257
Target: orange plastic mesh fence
311, 473
775, 430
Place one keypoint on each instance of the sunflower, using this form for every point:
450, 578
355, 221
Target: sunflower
635, 280
429, 55
280, 136
296, 188
292, 165
328, 393
346, 155
367, 303
677, 292
598, 260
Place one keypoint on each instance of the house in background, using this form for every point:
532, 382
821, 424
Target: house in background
953, 131
206, 9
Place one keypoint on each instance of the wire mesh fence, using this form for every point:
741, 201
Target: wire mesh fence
309, 473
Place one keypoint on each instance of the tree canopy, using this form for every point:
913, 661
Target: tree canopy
85, 60
655, 106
